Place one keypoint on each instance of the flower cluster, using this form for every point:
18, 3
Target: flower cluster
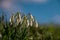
27, 20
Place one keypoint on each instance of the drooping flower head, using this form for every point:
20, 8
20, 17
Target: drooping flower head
36, 24
27, 23
18, 18
24, 19
31, 17
31, 20
12, 19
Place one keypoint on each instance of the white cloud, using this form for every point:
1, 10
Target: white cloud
6, 4
9, 5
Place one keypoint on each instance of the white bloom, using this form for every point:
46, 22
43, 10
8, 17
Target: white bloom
24, 19
36, 24
31, 23
18, 19
12, 19
21, 21
31, 17
27, 23
31, 20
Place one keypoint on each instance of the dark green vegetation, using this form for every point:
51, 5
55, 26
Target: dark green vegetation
21, 32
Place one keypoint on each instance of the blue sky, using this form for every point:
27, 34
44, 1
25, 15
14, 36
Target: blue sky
44, 10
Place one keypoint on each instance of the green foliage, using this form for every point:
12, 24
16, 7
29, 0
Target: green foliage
21, 32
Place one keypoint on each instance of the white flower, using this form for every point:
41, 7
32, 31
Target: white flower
18, 19
36, 24
19, 16
24, 19
27, 23
21, 21
31, 17
31, 23
31, 20
12, 19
